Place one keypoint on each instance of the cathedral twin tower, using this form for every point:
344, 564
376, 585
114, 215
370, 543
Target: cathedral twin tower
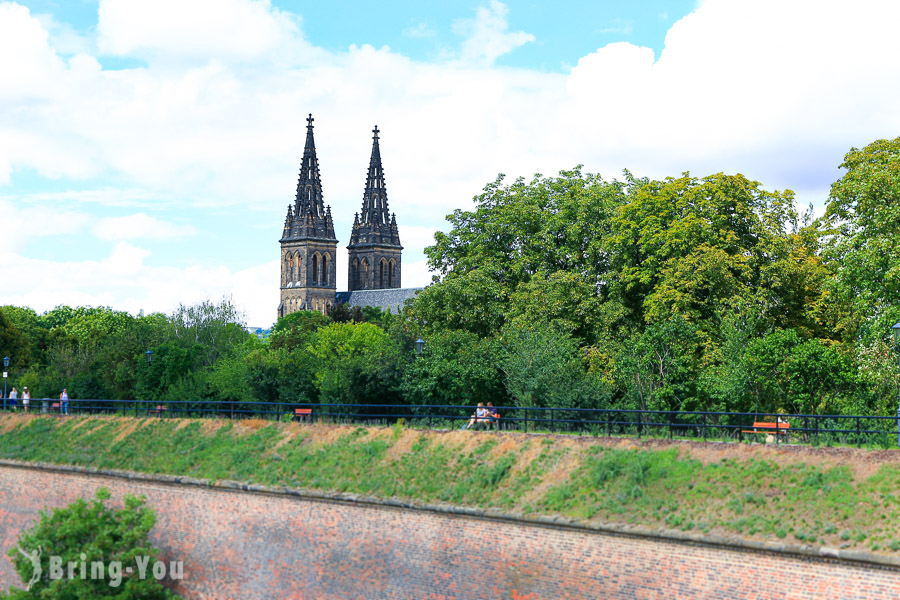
309, 247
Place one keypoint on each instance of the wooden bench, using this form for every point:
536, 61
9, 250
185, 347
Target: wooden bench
781, 428
302, 414
55, 407
158, 411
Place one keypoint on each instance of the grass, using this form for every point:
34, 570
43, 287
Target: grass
751, 491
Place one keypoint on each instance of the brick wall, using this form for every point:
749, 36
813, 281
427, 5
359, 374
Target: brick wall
251, 545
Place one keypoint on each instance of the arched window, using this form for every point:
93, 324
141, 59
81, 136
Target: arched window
381, 273
324, 278
390, 274
315, 268
365, 273
286, 269
298, 269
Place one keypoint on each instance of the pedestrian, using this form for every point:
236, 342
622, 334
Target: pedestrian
64, 402
26, 396
13, 395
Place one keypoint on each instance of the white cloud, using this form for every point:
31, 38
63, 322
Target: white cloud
487, 37
200, 29
139, 226
24, 224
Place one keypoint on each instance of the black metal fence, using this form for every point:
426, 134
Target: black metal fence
699, 425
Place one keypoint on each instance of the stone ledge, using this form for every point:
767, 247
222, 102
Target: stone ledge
557, 521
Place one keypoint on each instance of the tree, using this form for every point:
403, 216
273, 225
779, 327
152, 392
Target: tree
692, 247
548, 226
90, 533
218, 327
864, 216
657, 367
13, 342
355, 363
542, 368
456, 367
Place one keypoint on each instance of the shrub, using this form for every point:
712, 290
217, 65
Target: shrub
90, 535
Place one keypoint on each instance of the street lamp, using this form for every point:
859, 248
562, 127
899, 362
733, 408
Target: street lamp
896, 330
420, 345
149, 355
5, 367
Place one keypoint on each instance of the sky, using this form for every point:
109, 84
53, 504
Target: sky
149, 149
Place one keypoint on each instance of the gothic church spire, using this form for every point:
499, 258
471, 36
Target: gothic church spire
374, 249
309, 218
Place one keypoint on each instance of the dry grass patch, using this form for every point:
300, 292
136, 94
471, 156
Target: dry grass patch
209, 427
181, 424
128, 427
557, 474
401, 445
11, 421
290, 432
325, 435
248, 426
507, 443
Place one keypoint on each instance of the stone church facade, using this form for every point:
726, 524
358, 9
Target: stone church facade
309, 245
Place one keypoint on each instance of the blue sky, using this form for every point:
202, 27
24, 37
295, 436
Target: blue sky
148, 149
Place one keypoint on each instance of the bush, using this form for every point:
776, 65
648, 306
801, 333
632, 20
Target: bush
88, 536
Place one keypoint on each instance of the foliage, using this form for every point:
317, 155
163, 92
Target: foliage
355, 363
455, 367
542, 368
864, 213
89, 532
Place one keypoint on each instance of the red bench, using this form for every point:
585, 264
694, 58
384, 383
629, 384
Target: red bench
302, 414
781, 428
158, 411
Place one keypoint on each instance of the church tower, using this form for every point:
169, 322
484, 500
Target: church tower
374, 250
308, 245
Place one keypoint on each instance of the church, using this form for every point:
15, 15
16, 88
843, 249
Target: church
309, 246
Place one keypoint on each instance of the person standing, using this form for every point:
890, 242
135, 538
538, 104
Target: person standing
26, 396
13, 396
64, 402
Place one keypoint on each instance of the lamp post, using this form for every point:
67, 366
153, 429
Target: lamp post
5, 367
896, 330
420, 345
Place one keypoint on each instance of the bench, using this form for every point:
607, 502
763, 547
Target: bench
781, 428
55, 407
302, 414
158, 411
491, 421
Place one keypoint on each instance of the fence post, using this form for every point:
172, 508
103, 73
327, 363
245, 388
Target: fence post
858, 443
704, 427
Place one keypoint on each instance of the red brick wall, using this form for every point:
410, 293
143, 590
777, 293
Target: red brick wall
249, 545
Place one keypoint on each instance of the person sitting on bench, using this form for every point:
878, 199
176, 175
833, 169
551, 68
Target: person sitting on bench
480, 416
493, 415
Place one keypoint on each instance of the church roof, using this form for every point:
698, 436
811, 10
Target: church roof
388, 299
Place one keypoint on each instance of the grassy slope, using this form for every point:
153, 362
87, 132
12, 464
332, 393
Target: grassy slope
729, 489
